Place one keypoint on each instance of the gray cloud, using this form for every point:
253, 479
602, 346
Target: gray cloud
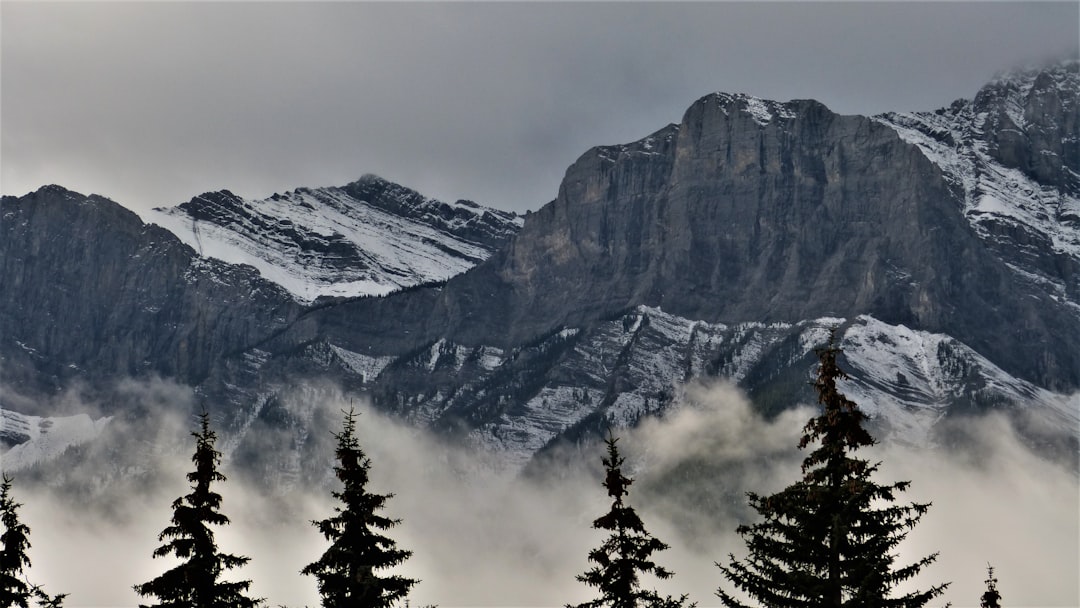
152, 103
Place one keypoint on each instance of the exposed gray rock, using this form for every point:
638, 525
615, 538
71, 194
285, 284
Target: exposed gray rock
92, 294
722, 246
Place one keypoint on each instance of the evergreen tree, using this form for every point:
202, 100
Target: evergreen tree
829, 539
15, 591
990, 599
627, 551
348, 572
195, 582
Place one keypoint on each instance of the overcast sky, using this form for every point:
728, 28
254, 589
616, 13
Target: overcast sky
153, 103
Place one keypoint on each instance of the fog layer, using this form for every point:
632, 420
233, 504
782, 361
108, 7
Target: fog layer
483, 536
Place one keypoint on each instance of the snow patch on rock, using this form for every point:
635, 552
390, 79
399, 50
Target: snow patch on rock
40, 439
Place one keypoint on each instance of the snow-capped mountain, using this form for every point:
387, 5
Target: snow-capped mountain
1013, 154
942, 245
370, 237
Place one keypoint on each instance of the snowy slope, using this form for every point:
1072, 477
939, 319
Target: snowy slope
1011, 155
636, 365
910, 379
368, 238
38, 439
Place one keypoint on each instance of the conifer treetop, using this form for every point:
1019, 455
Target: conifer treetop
627, 552
991, 598
830, 538
349, 573
195, 582
15, 541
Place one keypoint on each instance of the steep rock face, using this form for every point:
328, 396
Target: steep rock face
776, 215
370, 237
755, 210
92, 292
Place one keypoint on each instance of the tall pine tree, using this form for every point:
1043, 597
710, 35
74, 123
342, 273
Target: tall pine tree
829, 540
15, 541
348, 572
990, 598
627, 552
196, 581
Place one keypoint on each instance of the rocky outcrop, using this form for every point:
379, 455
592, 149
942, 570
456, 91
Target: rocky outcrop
1031, 122
91, 293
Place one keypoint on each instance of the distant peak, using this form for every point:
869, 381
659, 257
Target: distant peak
372, 179
1032, 71
56, 190
216, 197
1061, 74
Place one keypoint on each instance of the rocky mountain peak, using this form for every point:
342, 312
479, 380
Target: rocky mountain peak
752, 210
1030, 120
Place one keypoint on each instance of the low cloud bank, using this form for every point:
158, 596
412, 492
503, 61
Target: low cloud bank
485, 537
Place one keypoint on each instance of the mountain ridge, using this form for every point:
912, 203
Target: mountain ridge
369, 237
722, 246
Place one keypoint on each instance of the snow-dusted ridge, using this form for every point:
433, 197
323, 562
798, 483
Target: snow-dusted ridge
762, 111
368, 238
1030, 206
909, 379
906, 380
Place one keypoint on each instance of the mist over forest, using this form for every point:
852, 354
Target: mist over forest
485, 536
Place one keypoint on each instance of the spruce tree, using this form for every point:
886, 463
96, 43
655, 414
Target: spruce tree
627, 552
16, 591
196, 581
991, 598
348, 573
829, 540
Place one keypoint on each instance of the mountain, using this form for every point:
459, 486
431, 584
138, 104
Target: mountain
1013, 156
91, 293
370, 237
942, 246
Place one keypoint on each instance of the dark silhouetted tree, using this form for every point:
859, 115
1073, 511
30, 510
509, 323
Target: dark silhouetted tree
348, 572
196, 581
16, 591
829, 540
626, 554
991, 598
